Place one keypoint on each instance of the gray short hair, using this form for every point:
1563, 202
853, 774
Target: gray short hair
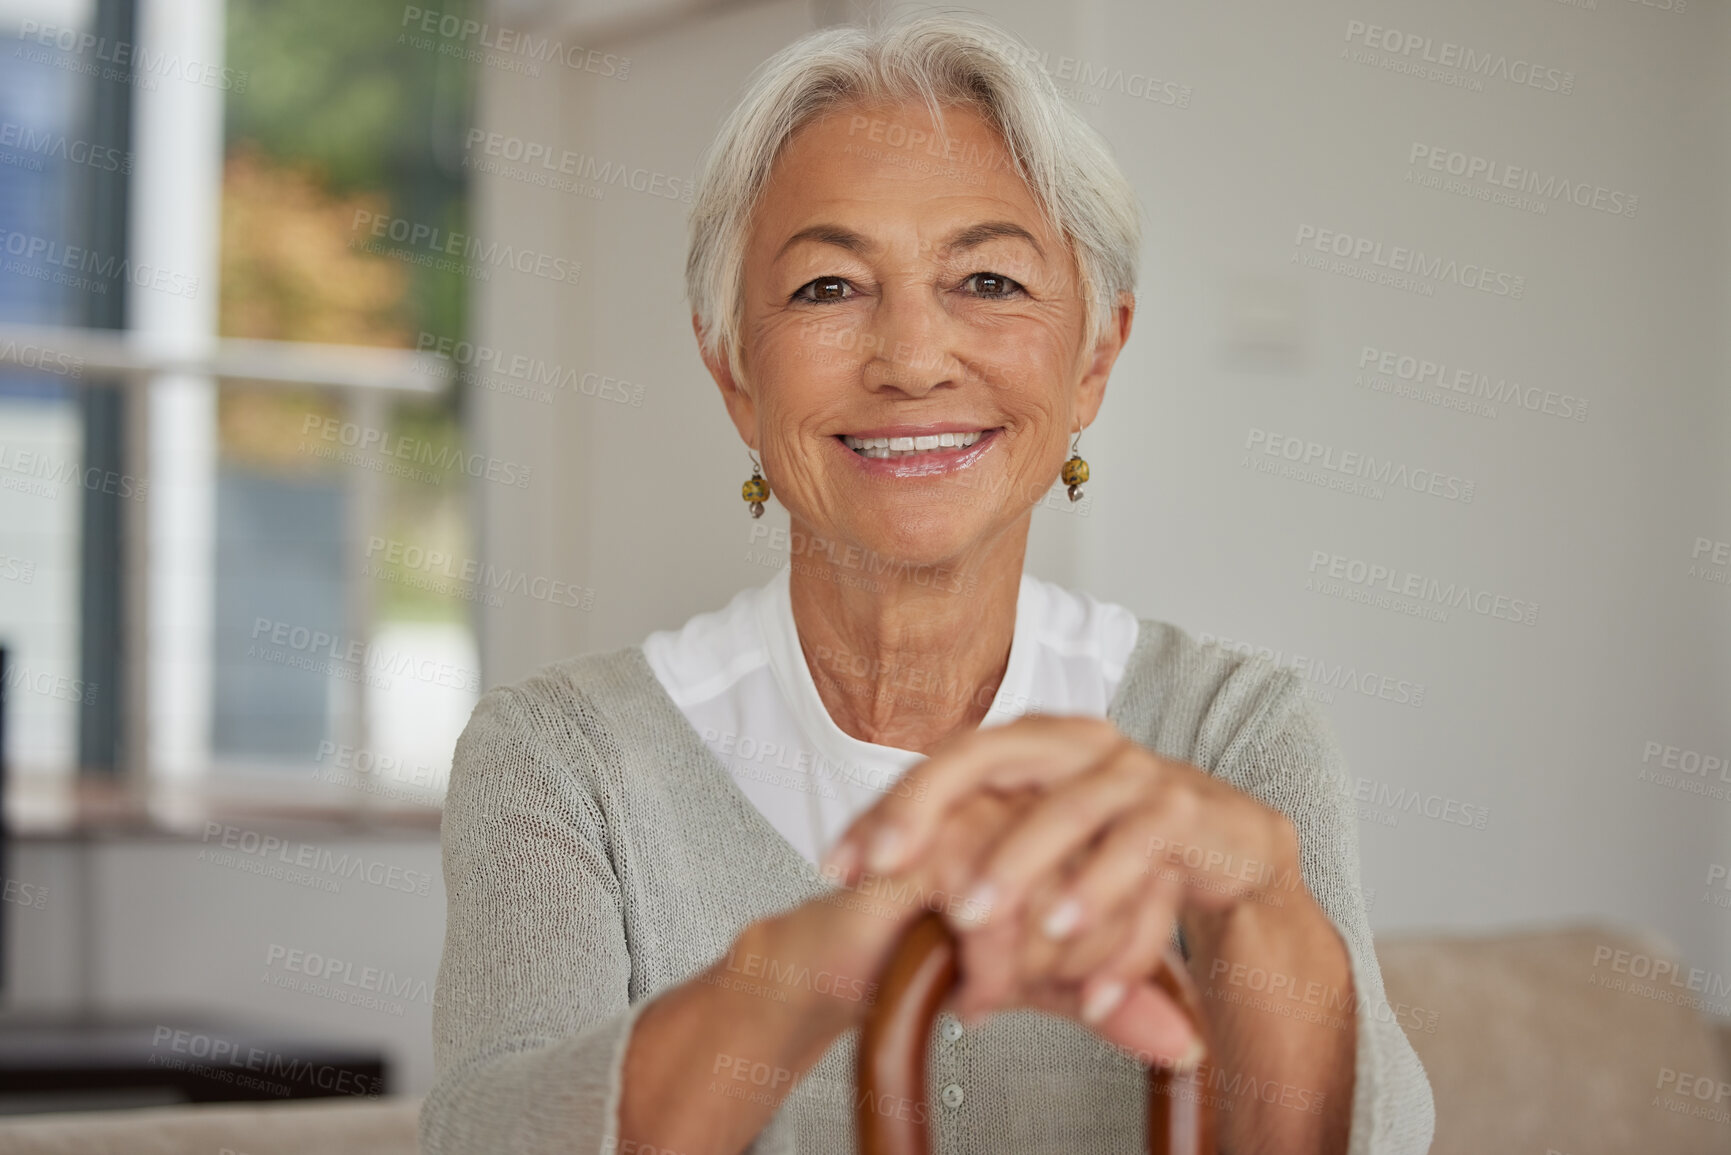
941, 60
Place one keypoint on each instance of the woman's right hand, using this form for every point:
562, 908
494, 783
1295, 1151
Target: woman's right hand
846, 935
790, 984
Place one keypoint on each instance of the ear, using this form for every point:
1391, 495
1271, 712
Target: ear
1091, 390
740, 406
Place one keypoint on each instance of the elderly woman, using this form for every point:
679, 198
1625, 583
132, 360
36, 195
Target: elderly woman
676, 869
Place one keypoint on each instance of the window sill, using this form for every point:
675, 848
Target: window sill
41, 810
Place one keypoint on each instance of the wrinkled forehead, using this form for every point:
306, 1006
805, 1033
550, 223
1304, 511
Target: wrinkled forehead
892, 169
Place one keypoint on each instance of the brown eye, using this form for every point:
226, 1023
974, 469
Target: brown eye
992, 285
824, 289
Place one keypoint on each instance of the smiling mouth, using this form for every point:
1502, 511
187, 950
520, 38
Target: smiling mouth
898, 447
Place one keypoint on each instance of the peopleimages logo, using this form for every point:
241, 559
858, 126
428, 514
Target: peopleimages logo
580, 166
1447, 54
1690, 771
476, 362
511, 48
41, 474
1403, 264
308, 856
365, 439
1659, 978
1469, 383
1361, 466
436, 241
45, 259
323, 651
57, 146
44, 360
113, 59
1710, 561
393, 560
1547, 187
1384, 803
1389, 587
1337, 676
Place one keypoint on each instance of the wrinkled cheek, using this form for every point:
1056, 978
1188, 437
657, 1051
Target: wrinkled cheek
799, 472
1004, 378
831, 342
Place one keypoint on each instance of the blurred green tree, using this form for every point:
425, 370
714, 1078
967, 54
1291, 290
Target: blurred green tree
330, 89
339, 116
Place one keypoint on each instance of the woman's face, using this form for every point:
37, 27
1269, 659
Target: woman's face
901, 285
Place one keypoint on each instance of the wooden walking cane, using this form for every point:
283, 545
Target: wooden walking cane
892, 1052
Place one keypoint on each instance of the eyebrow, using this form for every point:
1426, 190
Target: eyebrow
827, 235
975, 235
971, 237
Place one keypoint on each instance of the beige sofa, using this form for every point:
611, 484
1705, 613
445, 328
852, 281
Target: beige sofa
1570, 1041
318, 1127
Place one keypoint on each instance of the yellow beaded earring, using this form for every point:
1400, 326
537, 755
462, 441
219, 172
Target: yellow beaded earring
1075, 470
756, 490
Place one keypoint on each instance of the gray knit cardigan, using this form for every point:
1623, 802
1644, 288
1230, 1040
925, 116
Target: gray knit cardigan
597, 852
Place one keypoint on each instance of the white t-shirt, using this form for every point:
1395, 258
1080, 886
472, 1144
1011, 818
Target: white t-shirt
740, 677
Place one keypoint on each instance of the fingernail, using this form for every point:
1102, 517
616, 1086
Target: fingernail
1193, 1056
882, 857
840, 860
978, 902
1102, 1001
1063, 919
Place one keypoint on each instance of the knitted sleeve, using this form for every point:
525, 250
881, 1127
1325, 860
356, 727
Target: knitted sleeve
1288, 759
531, 1012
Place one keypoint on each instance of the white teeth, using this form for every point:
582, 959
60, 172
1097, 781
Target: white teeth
906, 446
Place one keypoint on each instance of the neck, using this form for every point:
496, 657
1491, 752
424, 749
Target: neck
905, 655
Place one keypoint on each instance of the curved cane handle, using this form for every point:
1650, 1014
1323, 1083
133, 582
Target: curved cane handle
891, 1111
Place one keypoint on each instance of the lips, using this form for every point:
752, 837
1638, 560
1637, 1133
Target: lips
911, 445
918, 451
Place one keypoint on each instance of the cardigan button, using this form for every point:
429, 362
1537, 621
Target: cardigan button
952, 1028
952, 1095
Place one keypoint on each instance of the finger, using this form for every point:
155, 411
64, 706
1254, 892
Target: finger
992, 949
1038, 953
1137, 952
938, 880
988, 979
1072, 960
935, 881
1110, 884
1152, 1027
997, 968
1033, 749
988, 943
1067, 818
1214, 853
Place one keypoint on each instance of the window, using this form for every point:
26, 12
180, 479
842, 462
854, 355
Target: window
234, 509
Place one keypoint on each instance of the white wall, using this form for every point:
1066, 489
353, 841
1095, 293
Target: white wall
1594, 519
181, 933
1261, 126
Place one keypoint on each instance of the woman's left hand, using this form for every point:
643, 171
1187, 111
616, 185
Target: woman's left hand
1085, 885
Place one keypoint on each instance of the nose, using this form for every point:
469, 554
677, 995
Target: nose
908, 333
